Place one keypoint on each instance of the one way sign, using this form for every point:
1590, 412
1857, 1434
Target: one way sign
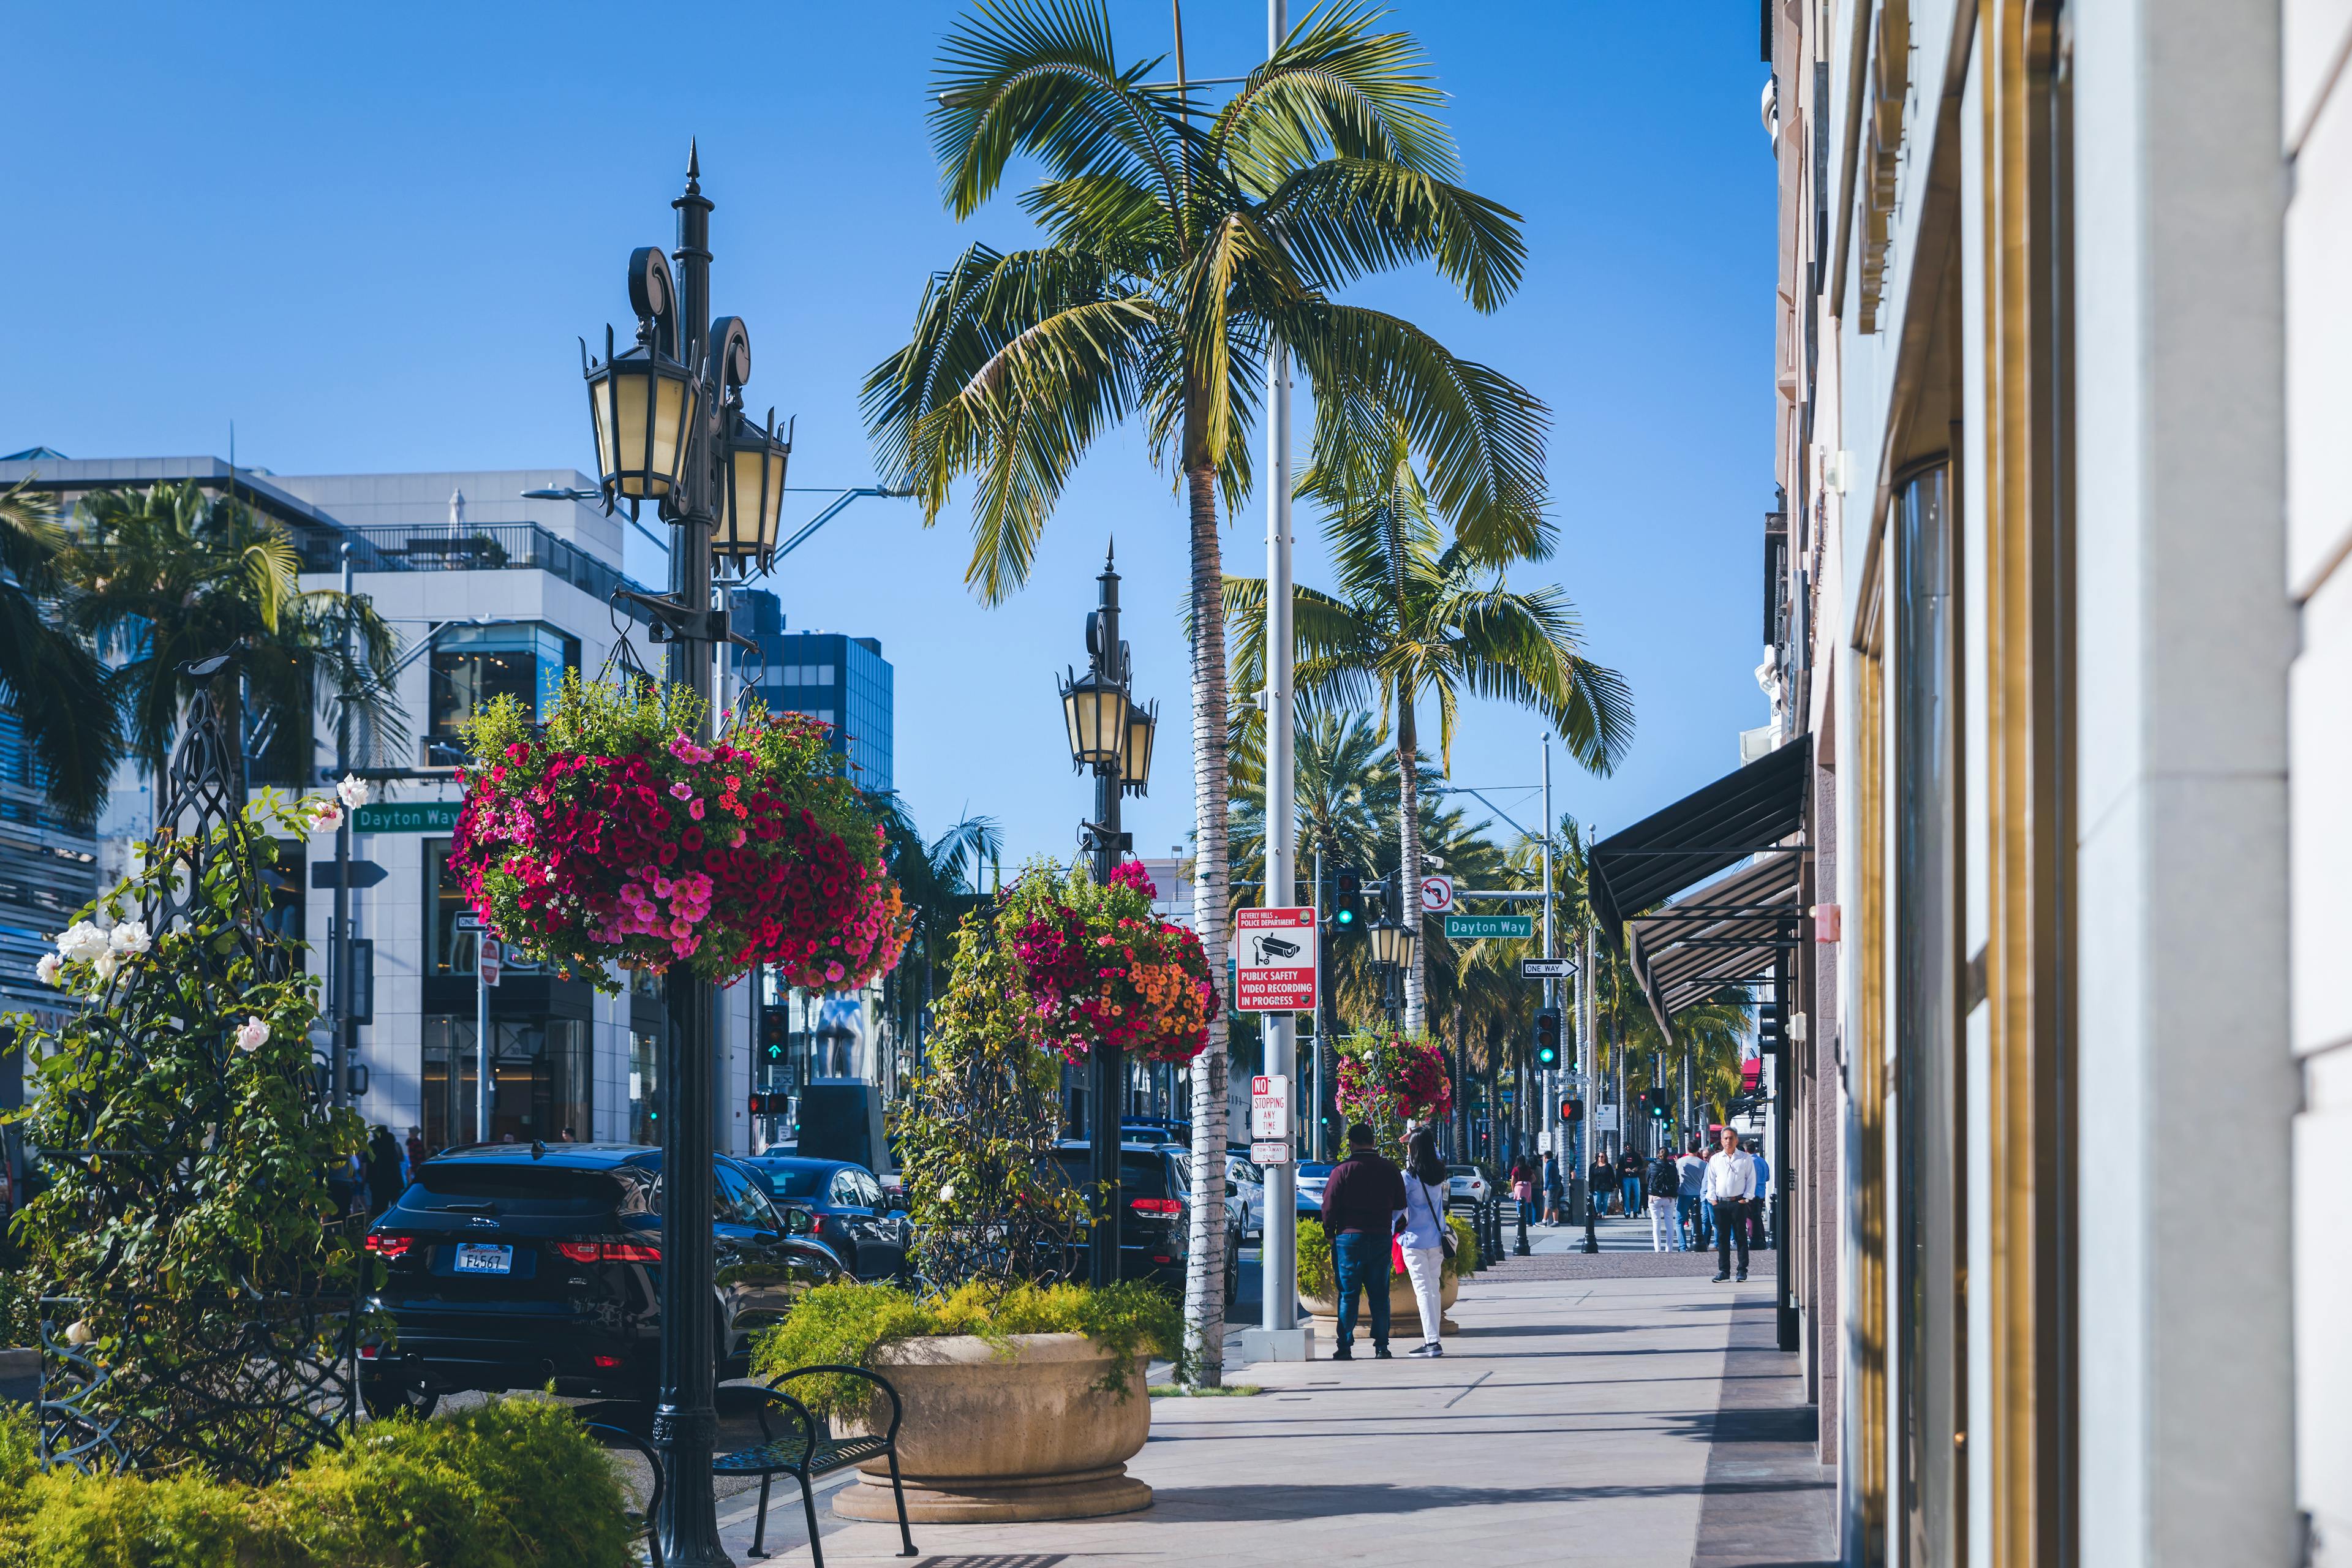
364, 873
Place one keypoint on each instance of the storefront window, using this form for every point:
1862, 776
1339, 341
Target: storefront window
539, 1081
645, 1089
474, 666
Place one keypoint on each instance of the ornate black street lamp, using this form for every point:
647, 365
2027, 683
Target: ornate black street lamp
671, 429
1111, 737
1392, 950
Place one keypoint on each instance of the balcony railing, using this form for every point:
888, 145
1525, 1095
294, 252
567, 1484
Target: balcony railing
471, 547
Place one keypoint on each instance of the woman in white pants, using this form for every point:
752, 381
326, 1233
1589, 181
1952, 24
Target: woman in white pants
1422, 1239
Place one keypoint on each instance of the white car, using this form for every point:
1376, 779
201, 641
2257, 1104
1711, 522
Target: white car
1464, 1185
1247, 1182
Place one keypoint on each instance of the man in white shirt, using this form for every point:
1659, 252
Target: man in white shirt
1730, 1184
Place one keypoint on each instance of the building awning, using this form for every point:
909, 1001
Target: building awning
1731, 931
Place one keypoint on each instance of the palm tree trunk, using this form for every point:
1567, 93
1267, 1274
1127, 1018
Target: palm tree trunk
1204, 1275
1460, 1088
1408, 860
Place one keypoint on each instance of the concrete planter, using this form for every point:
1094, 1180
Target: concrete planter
992, 1438
1405, 1312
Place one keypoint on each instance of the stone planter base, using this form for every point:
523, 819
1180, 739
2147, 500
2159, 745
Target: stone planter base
994, 1435
1087, 1495
1405, 1312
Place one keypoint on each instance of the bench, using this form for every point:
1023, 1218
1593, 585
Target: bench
807, 1454
641, 1524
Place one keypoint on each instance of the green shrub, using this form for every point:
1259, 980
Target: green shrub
844, 1324
20, 1308
506, 1484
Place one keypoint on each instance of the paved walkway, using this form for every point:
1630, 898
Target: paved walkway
1598, 1419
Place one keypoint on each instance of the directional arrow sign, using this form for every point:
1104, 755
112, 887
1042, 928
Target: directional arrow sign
1469, 928
1546, 968
364, 873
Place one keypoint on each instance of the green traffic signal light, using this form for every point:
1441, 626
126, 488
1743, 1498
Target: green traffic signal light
1345, 918
1546, 1056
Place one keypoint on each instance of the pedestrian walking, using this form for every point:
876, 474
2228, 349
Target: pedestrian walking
1630, 1167
1730, 1182
1555, 1191
1604, 1180
1759, 1206
416, 1150
1523, 1189
1692, 1205
1425, 1241
1665, 1183
1362, 1201
383, 1184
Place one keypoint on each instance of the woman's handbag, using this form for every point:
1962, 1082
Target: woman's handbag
1444, 1227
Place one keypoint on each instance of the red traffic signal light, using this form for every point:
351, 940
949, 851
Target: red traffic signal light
1571, 1110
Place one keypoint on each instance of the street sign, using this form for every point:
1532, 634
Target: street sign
1546, 968
1436, 894
1270, 1108
1474, 928
468, 921
1275, 1153
1605, 1118
1274, 960
487, 955
364, 873
406, 816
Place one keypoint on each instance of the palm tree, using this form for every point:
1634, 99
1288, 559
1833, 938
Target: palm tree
171, 574
1182, 248
52, 680
1416, 615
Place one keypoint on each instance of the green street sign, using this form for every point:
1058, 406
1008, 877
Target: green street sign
406, 816
1469, 928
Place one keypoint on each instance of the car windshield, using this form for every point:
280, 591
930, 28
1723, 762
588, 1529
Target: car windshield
795, 1184
517, 1189
1461, 1169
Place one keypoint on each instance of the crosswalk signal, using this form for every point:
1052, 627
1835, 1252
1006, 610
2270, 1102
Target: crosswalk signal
1571, 1110
1548, 1037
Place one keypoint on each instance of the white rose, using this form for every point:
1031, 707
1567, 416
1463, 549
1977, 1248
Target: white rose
80, 1333
325, 815
106, 963
131, 938
81, 941
252, 1035
46, 970
354, 791
947, 1191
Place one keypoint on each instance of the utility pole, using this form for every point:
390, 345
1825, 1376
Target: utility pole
1550, 1121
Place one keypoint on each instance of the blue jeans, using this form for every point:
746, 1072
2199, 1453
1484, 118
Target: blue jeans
1360, 1257
1629, 1200
1694, 1218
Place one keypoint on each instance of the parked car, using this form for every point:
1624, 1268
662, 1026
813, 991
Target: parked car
508, 1265
1312, 1174
1156, 1130
1245, 1184
1155, 1240
1465, 1184
854, 1215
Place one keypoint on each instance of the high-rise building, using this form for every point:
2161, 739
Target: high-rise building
837, 679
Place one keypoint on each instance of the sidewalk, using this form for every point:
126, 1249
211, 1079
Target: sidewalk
1612, 1420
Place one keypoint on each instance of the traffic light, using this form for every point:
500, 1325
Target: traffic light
1571, 1110
1346, 898
1548, 1037
774, 1022
775, 1104
1655, 1097
1771, 1027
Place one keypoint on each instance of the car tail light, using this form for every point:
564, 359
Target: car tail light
1162, 1257
631, 1252
605, 1363
390, 1246
1157, 1205
579, 1251
368, 1352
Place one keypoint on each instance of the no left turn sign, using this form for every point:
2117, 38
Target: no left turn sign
1436, 895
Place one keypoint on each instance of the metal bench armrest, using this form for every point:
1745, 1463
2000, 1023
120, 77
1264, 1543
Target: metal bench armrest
807, 1420
898, 1410
644, 1451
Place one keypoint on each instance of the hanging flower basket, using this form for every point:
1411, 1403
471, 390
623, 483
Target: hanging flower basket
1387, 1079
615, 838
1096, 964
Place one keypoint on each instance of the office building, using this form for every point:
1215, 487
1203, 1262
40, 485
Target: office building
840, 680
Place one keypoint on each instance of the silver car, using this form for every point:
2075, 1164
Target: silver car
1247, 1182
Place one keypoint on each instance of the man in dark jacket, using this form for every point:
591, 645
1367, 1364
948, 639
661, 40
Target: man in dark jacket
1361, 1202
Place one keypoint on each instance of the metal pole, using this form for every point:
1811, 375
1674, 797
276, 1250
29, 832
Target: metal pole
1551, 1121
686, 1421
1107, 1061
338, 943
481, 1045
1587, 1020
1279, 1246
1323, 1012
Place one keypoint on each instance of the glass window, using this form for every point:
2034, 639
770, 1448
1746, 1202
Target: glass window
869, 1190
473, 666
645, 1093
734, 1202
798, 1184
845, 1190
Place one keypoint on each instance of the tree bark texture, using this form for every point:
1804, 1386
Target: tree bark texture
1204, 1277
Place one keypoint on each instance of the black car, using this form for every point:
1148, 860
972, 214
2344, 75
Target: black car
1154, 1237
852, 1214
509, 1265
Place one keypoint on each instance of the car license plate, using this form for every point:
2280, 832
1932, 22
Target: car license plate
483, 1258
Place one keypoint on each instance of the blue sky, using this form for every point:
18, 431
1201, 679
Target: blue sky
370, 235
